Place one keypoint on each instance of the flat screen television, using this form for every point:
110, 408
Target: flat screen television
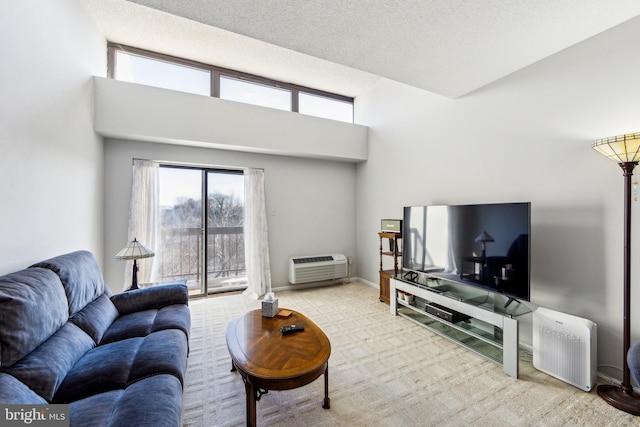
484, 245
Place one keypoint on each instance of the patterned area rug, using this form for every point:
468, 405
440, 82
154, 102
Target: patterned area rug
383, 371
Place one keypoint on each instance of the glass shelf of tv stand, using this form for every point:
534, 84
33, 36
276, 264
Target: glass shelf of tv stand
480, 298
465, 333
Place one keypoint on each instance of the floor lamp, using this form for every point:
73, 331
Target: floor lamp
625, 150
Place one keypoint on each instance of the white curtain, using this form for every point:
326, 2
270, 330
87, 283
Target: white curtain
144, 219
255, 235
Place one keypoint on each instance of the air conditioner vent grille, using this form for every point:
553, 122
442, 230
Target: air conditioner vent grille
317, 268
312, 259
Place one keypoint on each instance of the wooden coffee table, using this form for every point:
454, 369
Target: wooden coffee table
268, 360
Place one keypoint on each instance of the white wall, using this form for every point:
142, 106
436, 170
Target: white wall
314, 201
50, 158
526, 137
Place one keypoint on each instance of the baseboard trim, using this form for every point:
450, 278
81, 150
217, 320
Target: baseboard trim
332, 282
368, 283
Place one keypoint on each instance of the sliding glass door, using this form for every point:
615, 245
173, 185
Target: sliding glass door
225, 236
201, 231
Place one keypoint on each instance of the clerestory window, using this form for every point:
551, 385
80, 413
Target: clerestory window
249, 92
154, 69
160, 73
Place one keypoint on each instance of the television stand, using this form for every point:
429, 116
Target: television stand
475, 319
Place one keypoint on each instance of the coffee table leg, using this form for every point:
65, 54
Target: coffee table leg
251, 403
327, 401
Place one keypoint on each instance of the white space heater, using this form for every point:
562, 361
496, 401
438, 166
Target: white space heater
317, 268
564, 346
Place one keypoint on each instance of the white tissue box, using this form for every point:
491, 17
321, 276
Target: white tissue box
270, 308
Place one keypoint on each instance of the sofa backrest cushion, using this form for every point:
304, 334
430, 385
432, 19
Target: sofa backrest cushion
96, 317
33, 307
81, 277
44, 369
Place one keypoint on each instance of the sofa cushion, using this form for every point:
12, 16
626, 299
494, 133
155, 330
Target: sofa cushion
151, 402
13, 392
143, 323
119, 364
45, 367
96, 317
25, 322
80, 275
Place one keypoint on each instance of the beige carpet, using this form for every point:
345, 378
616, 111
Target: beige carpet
383, 371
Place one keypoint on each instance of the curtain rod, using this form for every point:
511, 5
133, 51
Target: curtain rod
198, 165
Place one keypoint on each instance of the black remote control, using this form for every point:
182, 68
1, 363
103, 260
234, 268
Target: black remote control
286, 330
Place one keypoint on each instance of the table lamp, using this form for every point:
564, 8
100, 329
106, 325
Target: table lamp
483, 238
135, 251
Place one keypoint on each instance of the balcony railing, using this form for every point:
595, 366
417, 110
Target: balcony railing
181, 257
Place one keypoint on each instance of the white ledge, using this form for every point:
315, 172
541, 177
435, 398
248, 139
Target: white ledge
143, 113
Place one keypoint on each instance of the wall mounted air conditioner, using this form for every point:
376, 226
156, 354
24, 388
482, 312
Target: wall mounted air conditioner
317, 268
564, 346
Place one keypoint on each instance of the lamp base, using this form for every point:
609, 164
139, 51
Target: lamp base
134, 276
620, 398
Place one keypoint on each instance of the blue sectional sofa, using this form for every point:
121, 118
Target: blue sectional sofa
116, 360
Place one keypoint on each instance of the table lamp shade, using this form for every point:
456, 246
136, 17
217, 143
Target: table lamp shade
621, 149
484, 237
134, 250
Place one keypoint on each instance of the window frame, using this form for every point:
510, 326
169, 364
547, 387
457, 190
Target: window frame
217, 72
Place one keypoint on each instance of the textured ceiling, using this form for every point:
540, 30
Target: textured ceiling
449, 47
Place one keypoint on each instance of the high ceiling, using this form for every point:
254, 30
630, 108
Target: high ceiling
448, 47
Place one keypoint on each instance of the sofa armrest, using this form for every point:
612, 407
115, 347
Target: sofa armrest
13, 392
150, 298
